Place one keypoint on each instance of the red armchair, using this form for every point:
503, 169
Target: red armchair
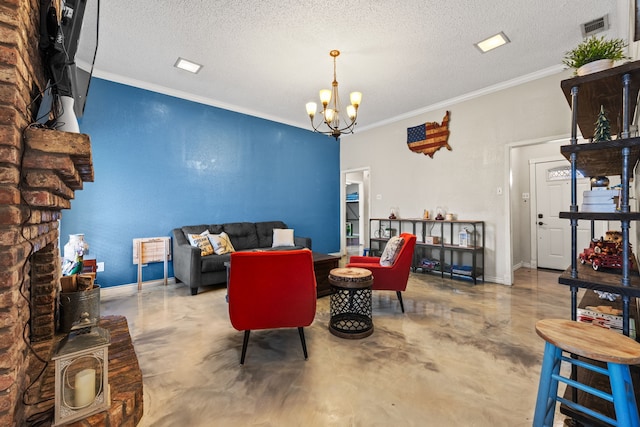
272, 289
392, 278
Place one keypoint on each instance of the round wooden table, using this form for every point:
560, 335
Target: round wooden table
350, 302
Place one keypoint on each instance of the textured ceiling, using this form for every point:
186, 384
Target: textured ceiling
268, 58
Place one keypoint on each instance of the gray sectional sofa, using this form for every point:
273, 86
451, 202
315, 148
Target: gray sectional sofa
195, 270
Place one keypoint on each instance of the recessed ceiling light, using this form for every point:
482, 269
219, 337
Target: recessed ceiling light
492, 42
187, 65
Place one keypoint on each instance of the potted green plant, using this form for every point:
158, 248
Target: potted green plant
595, 54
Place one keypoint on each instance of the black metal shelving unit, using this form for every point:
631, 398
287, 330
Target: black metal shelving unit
446, 249
617, 91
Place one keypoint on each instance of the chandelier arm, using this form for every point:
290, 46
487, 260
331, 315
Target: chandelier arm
347, 129
334, 131
317, 128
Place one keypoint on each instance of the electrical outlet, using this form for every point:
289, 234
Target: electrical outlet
99, 267
378, 196
525, 196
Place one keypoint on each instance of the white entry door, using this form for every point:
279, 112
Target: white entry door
553, 195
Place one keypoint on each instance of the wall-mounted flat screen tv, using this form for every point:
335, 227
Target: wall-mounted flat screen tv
69, 43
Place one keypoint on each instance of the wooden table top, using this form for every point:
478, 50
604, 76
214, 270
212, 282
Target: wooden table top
319, 256
350, 277
591, 341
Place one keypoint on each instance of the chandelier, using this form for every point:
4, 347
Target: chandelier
331, 108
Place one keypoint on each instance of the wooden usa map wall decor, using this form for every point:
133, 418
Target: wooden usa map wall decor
429, 137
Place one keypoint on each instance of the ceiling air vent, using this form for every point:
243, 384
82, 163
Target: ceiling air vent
593, 27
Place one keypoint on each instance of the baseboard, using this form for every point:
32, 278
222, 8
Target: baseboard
496, 280
132, 288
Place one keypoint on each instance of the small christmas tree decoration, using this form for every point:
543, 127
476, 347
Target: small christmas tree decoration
602, 132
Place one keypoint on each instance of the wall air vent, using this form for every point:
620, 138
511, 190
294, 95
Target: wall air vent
593, 27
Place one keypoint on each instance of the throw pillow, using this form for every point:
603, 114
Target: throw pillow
193, 236
201, 241
282, 237
391, 251
221, 243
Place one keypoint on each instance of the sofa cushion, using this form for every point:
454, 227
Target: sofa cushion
214, 262
215, 228
194, 229
282, 248
264, 230
242, 234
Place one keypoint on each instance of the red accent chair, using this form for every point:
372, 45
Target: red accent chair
271, 289
392, 278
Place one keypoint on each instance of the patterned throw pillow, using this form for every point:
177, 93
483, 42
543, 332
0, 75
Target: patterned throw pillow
391, 251
221, 243
201, 241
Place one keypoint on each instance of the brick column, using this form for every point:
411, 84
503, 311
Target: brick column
18, 56
39, 172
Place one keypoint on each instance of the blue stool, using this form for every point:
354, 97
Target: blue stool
591, 342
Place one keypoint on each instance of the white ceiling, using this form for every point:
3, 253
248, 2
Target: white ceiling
268, 58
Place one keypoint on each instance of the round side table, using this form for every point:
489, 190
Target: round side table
350, 302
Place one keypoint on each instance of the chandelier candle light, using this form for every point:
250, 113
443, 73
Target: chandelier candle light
331, 107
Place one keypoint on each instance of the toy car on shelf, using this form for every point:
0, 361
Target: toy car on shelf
603, 253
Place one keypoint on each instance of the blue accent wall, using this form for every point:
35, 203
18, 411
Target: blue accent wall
162, 162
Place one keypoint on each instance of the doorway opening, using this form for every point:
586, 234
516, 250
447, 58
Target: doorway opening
354, 211
535, 176
520, 224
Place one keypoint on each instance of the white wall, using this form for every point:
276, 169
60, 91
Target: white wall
465, 180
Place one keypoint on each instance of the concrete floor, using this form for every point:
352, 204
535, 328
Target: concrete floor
461, 355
